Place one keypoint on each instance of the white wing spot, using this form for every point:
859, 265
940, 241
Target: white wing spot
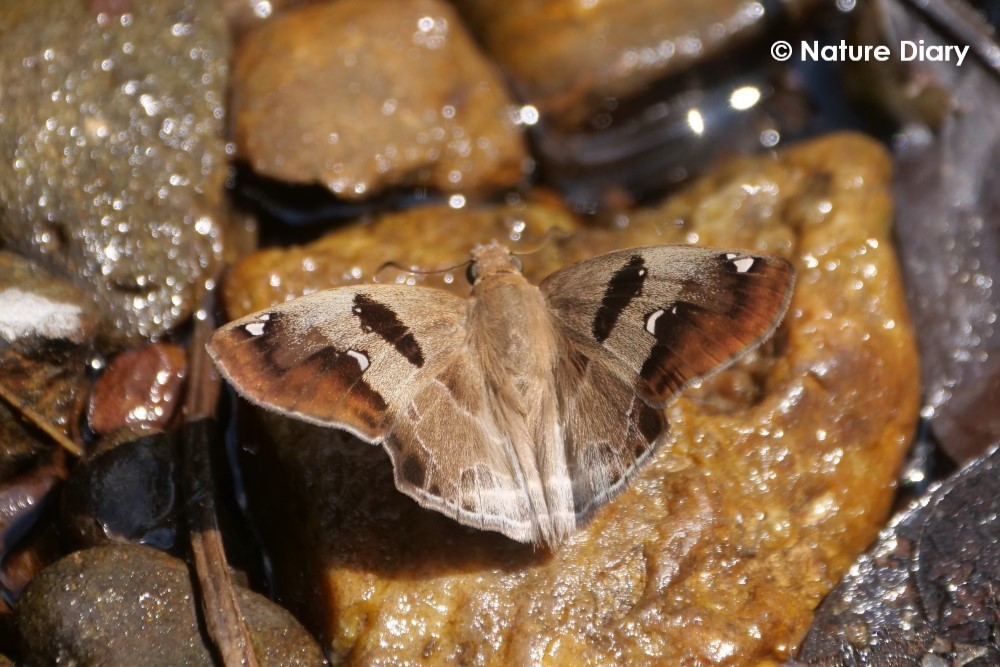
731, 255
359, 357
743, 265
255, 328
264, 317
642, 272
673, 310
651, 321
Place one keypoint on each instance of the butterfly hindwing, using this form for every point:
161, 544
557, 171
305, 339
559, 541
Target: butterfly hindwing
345, 357
608, 430
669, 314
449, 454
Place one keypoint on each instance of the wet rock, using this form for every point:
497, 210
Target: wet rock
360, 96
132, 605
113, 161
22, 499
650, 145
947, 187
40, 547
140, 388
127, 493
29, 538
926, 593
47, 330
779, 472
570, 59
242, 15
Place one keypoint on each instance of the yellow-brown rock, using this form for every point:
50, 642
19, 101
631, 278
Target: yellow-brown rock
361, 96
779, 472
241, 15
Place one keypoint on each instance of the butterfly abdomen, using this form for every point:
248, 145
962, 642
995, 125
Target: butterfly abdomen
519, 348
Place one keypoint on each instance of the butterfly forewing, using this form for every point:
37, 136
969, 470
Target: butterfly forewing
669, 314
345, 357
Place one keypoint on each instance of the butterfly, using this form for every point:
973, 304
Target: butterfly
521, 409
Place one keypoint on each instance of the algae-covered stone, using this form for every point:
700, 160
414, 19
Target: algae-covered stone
361, 96
112, 162
132, 605
779, 471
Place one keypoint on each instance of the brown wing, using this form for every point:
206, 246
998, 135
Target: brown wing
638, 326
449, 455
346, 357
608, 430
669, 314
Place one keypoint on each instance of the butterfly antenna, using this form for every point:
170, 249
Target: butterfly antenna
553, 233
419, 272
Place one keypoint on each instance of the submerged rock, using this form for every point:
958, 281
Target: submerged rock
112, 162
779, 472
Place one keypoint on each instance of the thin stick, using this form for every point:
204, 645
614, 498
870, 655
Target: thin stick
223, 618
39, 421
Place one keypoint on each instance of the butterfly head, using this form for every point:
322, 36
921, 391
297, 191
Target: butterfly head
490, 259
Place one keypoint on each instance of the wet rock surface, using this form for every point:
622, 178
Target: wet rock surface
127, 493
780, 469
140, 389
948, 190
570, 59
926, 594
360, 97
24, 499
113, 161
47, 330
241, 15
132, 605
24, 493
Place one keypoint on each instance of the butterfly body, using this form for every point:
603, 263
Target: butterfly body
515, 342
523, 408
